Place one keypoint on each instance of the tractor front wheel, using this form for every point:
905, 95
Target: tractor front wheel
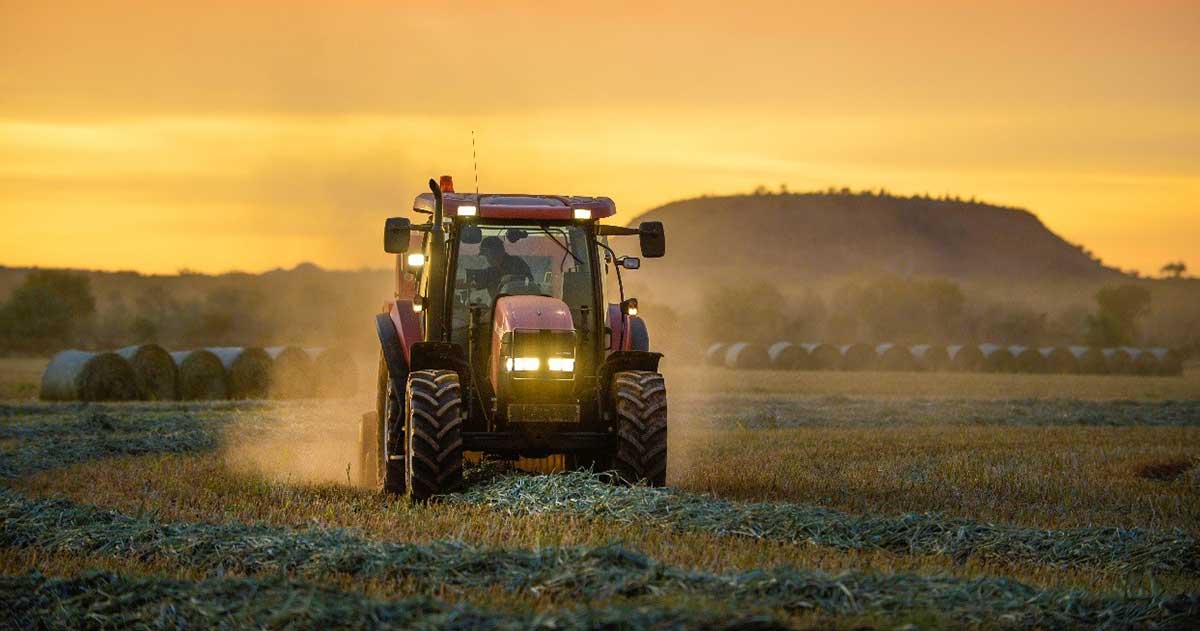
434, 453
387, 467
640, 399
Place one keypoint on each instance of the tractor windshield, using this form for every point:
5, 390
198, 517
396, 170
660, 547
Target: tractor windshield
495, 260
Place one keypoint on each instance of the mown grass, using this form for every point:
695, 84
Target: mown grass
906, 385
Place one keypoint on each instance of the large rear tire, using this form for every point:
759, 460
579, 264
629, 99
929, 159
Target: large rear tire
387, 472
640, 398
433, 404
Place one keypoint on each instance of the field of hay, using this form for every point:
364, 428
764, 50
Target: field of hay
797, 500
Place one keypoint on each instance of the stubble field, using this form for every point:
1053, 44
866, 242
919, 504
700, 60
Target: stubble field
797, 500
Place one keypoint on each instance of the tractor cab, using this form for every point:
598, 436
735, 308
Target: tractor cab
506, 296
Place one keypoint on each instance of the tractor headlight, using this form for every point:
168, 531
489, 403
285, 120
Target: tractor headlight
522, 364
561, 364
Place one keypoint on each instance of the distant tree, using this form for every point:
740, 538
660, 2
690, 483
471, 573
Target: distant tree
1174, 269
761, 190
752, 312
1116, 321
45, 312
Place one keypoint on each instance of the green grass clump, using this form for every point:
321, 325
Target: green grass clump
589, 495
568, 574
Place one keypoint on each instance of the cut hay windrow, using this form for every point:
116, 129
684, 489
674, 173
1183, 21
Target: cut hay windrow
749, 411
581, 494
155, 370
293, 375
565, 573
337, 373
248, 370
90, 436
106, 600
201, 376
82, 376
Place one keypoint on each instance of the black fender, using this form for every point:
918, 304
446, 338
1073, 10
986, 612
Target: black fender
393, 353
439, 356
618, 361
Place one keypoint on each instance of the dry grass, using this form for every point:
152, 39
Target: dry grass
1050, 477
20, 379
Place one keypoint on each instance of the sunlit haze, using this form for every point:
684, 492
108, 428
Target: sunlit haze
250, 135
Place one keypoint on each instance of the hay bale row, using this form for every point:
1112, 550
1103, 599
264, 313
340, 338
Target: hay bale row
148, 372
785, 355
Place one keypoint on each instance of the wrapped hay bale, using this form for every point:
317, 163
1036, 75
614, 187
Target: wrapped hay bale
715, 355
997, 358
1170, 363
82, 376
930, 357
787, 356
1118, 360
857, 356
1059, 359
822, 356
965, 358
1143, 363
337, 374
1028, 359
248, 369
1091, 360
293, 375
747, 356
155, 371
896, 358
200, 376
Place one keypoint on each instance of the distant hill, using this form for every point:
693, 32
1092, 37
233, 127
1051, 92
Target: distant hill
822, 235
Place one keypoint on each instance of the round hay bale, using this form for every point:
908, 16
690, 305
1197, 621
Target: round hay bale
248, 368
337, 374
155, 371
82, 376
964, 358
1118, 360
997, 358
1059, 359
787, 356
1028, 359
1170, 363
822, 356
715, 355
747, 356
931, 357
896, 358
293, 375
1143, 363
201, 376
1091, 360
857, 356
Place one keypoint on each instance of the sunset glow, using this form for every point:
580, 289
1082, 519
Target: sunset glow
214, 136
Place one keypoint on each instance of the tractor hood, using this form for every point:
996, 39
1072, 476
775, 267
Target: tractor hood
531, 312
513, 313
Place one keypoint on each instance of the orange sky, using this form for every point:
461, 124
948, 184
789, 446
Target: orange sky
239, 135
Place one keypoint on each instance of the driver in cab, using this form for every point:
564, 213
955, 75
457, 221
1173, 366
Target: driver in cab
502, 267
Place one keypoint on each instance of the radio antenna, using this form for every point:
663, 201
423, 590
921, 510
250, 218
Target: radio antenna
475, 160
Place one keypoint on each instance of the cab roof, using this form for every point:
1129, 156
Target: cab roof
518, 206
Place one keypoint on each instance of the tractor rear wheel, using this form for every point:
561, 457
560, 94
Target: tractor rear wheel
434, 453
388, 452
640, 399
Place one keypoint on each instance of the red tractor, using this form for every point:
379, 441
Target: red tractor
510, 336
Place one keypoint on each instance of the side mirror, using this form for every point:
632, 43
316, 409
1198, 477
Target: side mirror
630, 262
396, 232
653, 239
